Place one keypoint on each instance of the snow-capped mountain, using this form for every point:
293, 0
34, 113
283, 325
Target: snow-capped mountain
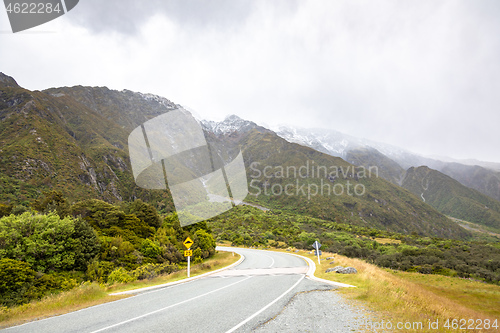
155, 98
336, 143
327, 141
231, 124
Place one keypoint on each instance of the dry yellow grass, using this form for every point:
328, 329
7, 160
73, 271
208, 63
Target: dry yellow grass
412, 298
387, 241
78, 298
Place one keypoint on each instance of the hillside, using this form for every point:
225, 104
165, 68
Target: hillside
75, 140
452, 198
51, 141
367, 157
291, 177
479, 175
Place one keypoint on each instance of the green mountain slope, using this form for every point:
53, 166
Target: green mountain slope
484, 180
125, 108
367, 157
291, 177
75, 140
54, 142
452, 198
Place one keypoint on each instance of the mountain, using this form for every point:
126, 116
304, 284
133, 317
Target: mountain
482, 176
232, 125
7, 81
70, 139
74, 139
370, 157
452, 198
125, 108
327, 141
301, 180
484, 180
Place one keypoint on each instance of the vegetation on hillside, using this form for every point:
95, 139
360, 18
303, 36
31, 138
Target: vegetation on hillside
368, 157
300, 180
57, 246
452, 198
249, 226
74, 140
50, 141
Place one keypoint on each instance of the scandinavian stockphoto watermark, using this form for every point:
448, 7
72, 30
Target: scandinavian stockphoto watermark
309, 180
25, 14
171, 151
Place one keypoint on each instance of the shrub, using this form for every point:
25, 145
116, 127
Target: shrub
120, 275
5, 210
19, 283
16, 278
150, 271
100, 270
151, 249
47, 242
144, 212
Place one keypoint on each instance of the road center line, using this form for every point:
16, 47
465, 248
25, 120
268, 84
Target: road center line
272, 260
265, 307
170, 306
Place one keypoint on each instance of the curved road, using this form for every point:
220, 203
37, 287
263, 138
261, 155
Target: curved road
234, 300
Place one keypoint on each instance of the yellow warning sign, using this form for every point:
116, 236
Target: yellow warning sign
188, 253
188, 242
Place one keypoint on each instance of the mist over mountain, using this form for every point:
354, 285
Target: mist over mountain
452, 198
459, 190
481, 176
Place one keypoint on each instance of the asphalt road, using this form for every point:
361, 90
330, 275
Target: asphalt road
235, 300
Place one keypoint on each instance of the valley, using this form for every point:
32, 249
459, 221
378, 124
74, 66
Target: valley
65, 163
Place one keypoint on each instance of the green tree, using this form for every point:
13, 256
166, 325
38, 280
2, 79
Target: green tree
144, 212
87, 244
151, 249
52, 201
5, 210
46, 242
204, 241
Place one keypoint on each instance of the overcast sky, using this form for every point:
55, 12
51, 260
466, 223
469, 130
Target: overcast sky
423, 75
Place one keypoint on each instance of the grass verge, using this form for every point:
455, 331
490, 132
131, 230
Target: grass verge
90, 294
414, 299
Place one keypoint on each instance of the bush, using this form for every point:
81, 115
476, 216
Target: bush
204, 241
151, 249
5, 210
144, 212
47, 242
100, 270
120, 275
16, 280
19, 283
150, 271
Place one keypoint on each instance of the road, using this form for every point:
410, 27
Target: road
235, 300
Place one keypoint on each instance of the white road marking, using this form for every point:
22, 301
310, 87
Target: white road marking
272, 261
264, 308
265, 271
168, 307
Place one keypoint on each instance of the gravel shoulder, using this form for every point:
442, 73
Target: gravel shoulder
318, 308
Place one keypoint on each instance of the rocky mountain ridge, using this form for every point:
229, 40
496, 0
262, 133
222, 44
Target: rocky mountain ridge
74, 139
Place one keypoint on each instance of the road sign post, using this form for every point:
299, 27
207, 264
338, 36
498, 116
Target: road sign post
187, 243
316, 245
189, 264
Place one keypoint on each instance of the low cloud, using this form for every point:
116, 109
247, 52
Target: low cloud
422, 75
